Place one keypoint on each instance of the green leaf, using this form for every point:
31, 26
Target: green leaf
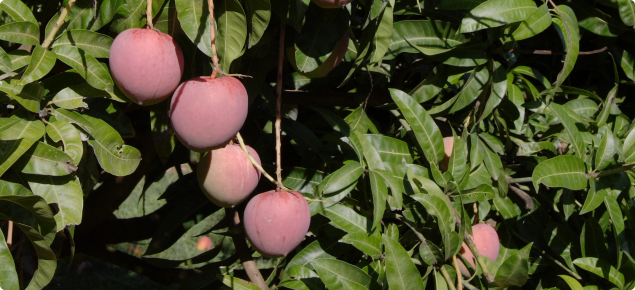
338, 274
492, 142
73, 97
370, 153
44, 159
17, 139
438, 208
567, 30
18, 11
583, 107
344, 177
5, 61
41, 63
514, 271
171, 228
430, 37
494, 13
369, 244
536, 22
562, 171
601, 268
320, 36
401, 272
12, 208
95, 44
426, 131
314, 250
594, 198
390, 149
194, 18
129, 16
86, 65
239, 284
380, 195
258, 15
84, 14
457, 165
431, 86
506, 207
613, 208
21, 32
61, 131
627, 11
564, 114
592, 242
492, 160
381, 38
232, 31
471, 90
482, 193
65, 191
498, 88
347, 219
29, 96
605, 153
596, 21
573, 283
113, 155
8, 274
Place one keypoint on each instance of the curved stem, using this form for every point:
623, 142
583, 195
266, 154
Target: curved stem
447, 277
10, 234
243, 253
149, 14
212, 34
520, 180
58, 24
459, 277
253, 161
279, 104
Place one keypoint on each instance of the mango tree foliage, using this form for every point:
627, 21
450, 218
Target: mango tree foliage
535, 95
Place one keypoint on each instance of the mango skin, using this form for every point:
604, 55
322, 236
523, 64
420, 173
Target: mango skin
328, 65
331, 3
276, 222
226, 175
147, 65
204, 244
206, 114
448, 145
487, 242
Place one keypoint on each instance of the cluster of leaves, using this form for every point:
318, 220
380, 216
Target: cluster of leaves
385, 215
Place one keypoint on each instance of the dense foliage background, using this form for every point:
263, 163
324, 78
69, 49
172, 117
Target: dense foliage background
535, 94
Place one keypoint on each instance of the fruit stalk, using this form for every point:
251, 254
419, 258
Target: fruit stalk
149, 14
243, 252
470, 243
10, 234
459, 278
279, 104
212, 34
446, 276
253, 161
58, 24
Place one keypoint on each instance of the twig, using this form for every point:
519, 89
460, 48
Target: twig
279, 104
149, 14
10, 234
459, 278
469, 286
253, 161
470, 243
551, 52
447, 277
520, 180
243, 252
529, 203
212, 33
58, 24
624, 167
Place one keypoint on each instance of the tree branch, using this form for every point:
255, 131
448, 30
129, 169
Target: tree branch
279, 105
550, 52
529, 203
58, 24
244, 253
